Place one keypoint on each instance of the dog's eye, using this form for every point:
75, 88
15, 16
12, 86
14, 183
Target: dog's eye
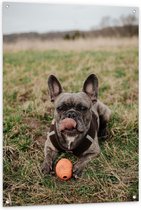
62, 108
81, 108
84, 108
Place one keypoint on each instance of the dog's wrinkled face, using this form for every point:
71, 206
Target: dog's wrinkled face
74, 106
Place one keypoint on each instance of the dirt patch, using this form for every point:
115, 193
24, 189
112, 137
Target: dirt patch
25, 96
41, 139
37, 129
32, 123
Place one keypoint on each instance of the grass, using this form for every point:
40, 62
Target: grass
113, 176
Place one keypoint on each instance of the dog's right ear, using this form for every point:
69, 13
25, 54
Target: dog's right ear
54, 86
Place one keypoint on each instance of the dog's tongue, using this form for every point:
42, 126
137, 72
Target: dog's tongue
67, 123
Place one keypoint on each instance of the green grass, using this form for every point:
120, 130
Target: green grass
113, 176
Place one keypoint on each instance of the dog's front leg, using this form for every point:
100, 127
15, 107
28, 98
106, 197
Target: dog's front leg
93, 152
50, 153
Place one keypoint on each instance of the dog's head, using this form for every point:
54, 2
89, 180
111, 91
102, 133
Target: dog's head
76, 106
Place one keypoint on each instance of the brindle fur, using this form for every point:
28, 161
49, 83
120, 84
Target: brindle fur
87, 98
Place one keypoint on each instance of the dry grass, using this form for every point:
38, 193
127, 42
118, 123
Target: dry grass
113, 176
77, 45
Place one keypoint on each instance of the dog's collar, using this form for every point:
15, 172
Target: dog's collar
85, 143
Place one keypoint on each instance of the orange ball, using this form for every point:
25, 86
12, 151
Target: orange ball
64, 169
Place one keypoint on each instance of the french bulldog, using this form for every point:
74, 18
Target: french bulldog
88, 120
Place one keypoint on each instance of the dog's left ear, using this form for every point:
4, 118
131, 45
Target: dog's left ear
90, 87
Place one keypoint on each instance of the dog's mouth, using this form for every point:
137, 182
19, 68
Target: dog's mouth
69, 126
68, 132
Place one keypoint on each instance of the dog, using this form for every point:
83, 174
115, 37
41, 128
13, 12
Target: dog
89, 118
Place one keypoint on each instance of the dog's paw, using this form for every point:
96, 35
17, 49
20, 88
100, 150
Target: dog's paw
77, 171
46, 168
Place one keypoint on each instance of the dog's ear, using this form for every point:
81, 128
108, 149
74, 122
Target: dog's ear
90, 87
54, 86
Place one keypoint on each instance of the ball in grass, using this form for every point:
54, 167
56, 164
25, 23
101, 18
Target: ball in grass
64, 169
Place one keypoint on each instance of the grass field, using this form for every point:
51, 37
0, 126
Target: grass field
113, 176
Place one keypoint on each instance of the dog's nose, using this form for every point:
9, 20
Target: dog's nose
71, 114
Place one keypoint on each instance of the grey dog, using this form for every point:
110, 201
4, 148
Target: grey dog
91, 117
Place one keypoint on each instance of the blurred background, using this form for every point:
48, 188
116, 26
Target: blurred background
51, 26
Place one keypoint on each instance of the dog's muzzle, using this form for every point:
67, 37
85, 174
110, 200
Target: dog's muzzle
67, 124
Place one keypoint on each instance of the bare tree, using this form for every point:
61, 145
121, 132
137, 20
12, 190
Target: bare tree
128, 20
115, 22
105, 22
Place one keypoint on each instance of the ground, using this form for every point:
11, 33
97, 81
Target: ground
113, 176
